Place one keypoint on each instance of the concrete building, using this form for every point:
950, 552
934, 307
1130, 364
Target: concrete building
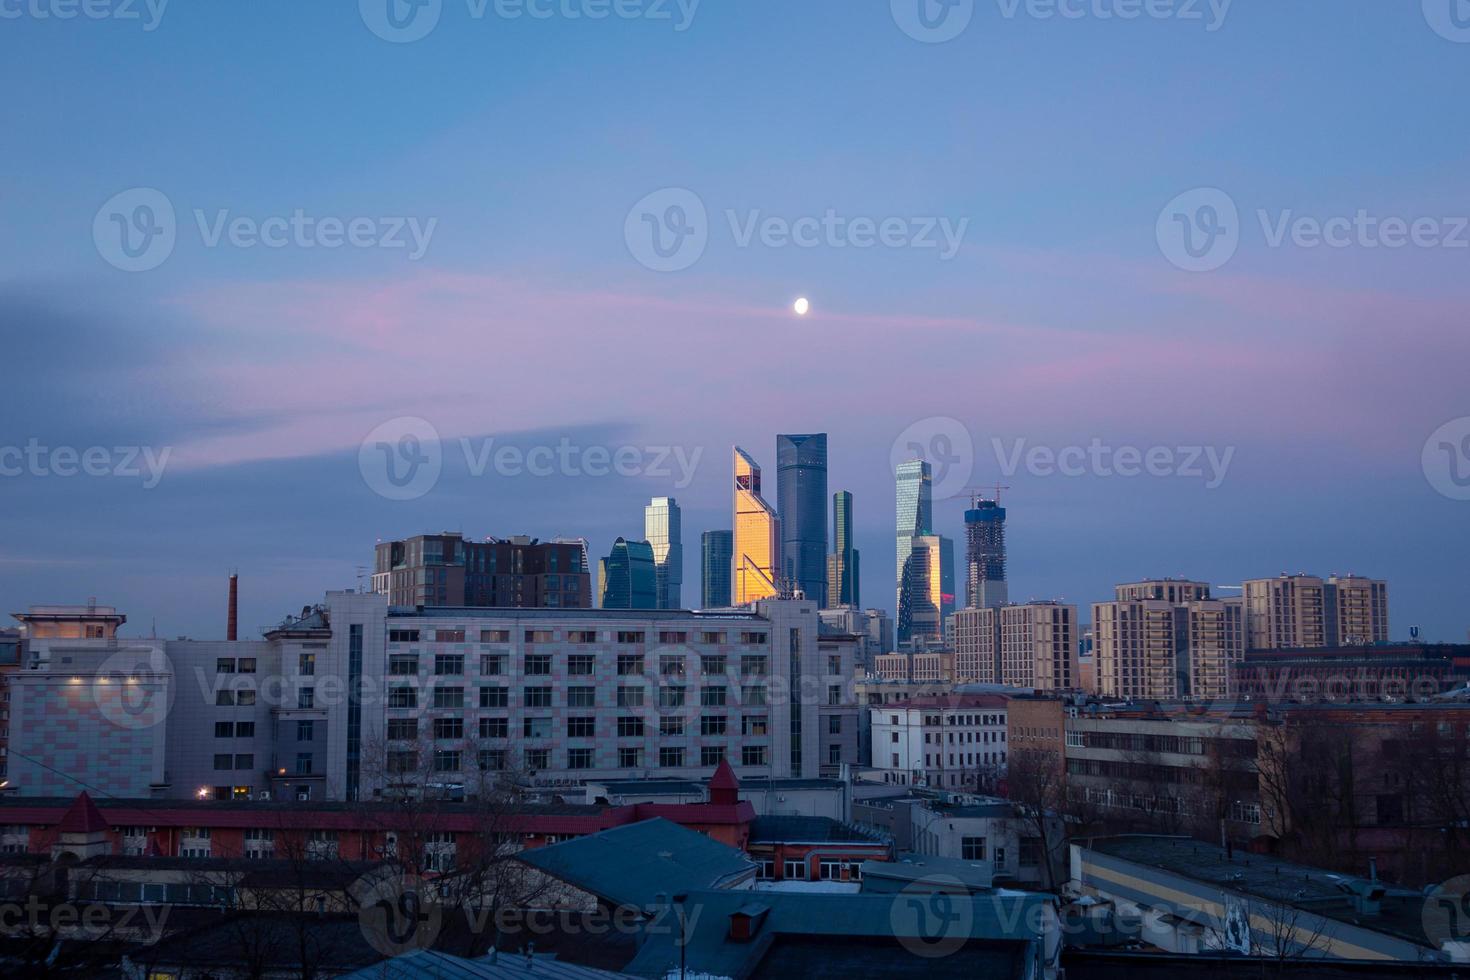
927, 666
356, 697
663, 530
1166, 639
880, 631
1303, 612
448, 570
1148, 767
950, 742
1038, 646
1194, 897
851, 619
985, 833
755, 569
1395, 672
976, 642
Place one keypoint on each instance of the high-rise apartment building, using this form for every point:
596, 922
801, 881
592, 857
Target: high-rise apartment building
662, 527
976, 644
801, 500
628, 576
985, 555
926, 594
1172, 590
1359, 609
1038, 646
447, 570
716, 549
755, 571
1166, 639
1304, 612
842, 565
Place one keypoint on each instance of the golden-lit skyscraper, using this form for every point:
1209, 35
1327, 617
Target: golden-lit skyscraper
757, 546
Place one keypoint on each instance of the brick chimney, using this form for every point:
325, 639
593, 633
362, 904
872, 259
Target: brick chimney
232, 622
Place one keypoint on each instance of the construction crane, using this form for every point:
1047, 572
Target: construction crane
977, 494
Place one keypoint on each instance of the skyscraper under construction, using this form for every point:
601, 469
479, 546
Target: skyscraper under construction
985, 554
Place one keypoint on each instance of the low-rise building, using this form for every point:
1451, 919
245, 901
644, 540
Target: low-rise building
954, 742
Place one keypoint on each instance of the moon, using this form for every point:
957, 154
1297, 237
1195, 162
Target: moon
802, 306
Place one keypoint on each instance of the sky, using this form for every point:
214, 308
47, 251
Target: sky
1189, 279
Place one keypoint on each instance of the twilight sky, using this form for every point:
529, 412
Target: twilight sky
814, 148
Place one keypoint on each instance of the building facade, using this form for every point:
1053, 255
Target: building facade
1303, 611
755, 565
628, 576
801, 500
448, 570
1038, 646
716, 550
1166, 639
663, 529
950, 742
843, 572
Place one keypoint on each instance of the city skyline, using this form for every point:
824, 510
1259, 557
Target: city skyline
1325, 370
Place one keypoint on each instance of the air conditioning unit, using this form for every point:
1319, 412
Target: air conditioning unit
264, 794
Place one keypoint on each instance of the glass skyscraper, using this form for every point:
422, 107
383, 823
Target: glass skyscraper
926, 595
842, 564
755, 562
801, 499
716, 549
627, 576
662, 528
915, 518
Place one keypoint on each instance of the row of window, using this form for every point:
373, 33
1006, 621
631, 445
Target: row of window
583, 664
453, 729
494, 760
576, 697
665, 637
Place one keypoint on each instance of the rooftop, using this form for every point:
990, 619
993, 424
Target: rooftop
635, 865
1327, 893
806, 830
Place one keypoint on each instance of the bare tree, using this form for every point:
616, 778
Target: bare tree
1036, 781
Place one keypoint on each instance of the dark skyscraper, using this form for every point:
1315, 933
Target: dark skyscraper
628, 577
717, 549
801, 500
842, 564
985, 554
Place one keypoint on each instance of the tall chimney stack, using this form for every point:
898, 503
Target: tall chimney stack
232, 625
